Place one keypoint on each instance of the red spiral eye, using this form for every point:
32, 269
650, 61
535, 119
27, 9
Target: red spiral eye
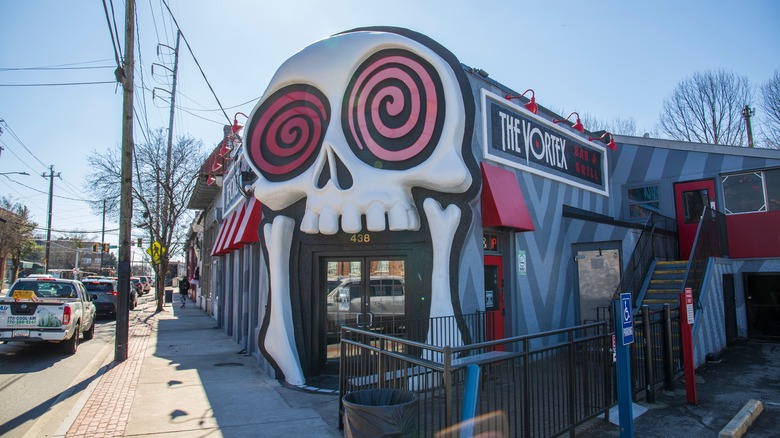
393, 110
286, 132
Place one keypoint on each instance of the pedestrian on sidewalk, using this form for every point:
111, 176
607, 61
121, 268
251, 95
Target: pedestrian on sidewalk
184, 289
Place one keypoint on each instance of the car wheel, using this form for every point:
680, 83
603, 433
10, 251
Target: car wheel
89, 334
71, 345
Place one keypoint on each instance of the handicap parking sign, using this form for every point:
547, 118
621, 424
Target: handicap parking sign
627, 319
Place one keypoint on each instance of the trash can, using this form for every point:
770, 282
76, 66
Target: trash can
168, 295
380, 412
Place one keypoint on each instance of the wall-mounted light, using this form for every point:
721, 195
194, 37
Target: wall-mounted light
237, 126
530, 106
227, 146
611, 144
577, 125
216, 165
210, 180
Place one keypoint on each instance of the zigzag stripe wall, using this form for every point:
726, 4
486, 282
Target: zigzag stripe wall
709, 331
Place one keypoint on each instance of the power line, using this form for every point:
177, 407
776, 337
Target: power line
196, 61
61, 84
70, 64
53, 68
19, 140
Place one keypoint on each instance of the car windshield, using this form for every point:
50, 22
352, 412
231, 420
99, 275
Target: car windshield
44, 289
99, 287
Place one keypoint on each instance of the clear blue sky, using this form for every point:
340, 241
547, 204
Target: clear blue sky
607, 59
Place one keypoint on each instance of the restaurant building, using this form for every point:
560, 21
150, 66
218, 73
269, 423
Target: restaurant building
379, 178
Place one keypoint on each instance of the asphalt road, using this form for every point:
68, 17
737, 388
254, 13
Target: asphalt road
40, 379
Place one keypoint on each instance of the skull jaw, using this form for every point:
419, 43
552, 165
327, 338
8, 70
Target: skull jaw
279, 339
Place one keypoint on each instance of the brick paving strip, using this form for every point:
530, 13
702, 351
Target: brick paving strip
106, 412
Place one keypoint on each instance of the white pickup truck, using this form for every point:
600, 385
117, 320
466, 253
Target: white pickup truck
47, 309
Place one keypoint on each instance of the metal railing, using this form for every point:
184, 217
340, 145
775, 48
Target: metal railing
544, 384
658, 240
711, 241
538, 385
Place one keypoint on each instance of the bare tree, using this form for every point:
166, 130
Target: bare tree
155, 186
770, 106
16, 234
707, 108
618, 125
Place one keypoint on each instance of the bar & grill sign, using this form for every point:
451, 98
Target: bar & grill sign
516, 137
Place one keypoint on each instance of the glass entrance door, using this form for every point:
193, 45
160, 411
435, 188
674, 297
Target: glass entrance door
364, 291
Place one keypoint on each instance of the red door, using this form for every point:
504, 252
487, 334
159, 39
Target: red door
494, 299
690, 198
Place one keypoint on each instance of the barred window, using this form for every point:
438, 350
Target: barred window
752, 191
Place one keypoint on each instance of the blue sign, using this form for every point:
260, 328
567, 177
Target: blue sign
627, 318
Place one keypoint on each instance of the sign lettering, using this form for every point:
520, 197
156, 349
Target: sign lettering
518, 138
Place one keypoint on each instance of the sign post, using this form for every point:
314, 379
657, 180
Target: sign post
624, 329
686, 330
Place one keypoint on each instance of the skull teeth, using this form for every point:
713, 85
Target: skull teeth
399, 217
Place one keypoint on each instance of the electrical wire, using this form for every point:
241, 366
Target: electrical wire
116, 31
54, 68
19, 140
196, 61
114, 42
61, 84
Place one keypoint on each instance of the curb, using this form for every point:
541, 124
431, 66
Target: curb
739, 425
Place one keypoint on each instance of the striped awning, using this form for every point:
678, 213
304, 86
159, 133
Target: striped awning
239, 228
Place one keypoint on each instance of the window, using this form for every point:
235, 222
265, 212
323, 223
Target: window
752, 192
642, 201
694, 202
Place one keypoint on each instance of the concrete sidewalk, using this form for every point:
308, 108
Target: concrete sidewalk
184, 377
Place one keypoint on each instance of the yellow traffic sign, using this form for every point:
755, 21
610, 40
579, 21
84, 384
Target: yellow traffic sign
156, 251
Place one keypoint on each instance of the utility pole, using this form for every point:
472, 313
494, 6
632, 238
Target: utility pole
164, 225
51, 176
747, 113
103, 236
126, 194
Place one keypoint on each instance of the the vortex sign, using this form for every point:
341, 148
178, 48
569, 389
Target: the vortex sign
523, 140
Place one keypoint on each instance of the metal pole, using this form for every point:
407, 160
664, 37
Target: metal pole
103, 236
126, 196
649, 377
668, 349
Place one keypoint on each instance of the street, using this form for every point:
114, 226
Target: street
40, 379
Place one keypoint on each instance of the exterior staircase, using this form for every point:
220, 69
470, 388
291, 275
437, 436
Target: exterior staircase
665, 283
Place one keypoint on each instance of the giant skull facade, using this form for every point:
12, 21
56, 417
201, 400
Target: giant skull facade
352, 123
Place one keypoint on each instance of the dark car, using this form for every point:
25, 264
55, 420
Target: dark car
104, 293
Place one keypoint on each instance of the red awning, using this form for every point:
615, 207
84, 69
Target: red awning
502, 200
224, 228
230, 243
248, 228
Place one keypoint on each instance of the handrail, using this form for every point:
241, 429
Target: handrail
711, 241
649, 246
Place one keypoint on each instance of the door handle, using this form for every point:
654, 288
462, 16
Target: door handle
370, 319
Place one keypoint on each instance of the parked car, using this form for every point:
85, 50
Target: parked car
386, 301
104, 294
138, 287
47, 309
147, 283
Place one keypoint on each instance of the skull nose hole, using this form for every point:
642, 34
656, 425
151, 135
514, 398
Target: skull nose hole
342, 178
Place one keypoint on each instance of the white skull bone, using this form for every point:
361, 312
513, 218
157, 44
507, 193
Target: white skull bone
333, 67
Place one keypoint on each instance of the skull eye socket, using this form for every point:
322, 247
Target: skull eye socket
393, 110
287, 130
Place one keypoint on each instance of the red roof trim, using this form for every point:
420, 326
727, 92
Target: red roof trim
502, 200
